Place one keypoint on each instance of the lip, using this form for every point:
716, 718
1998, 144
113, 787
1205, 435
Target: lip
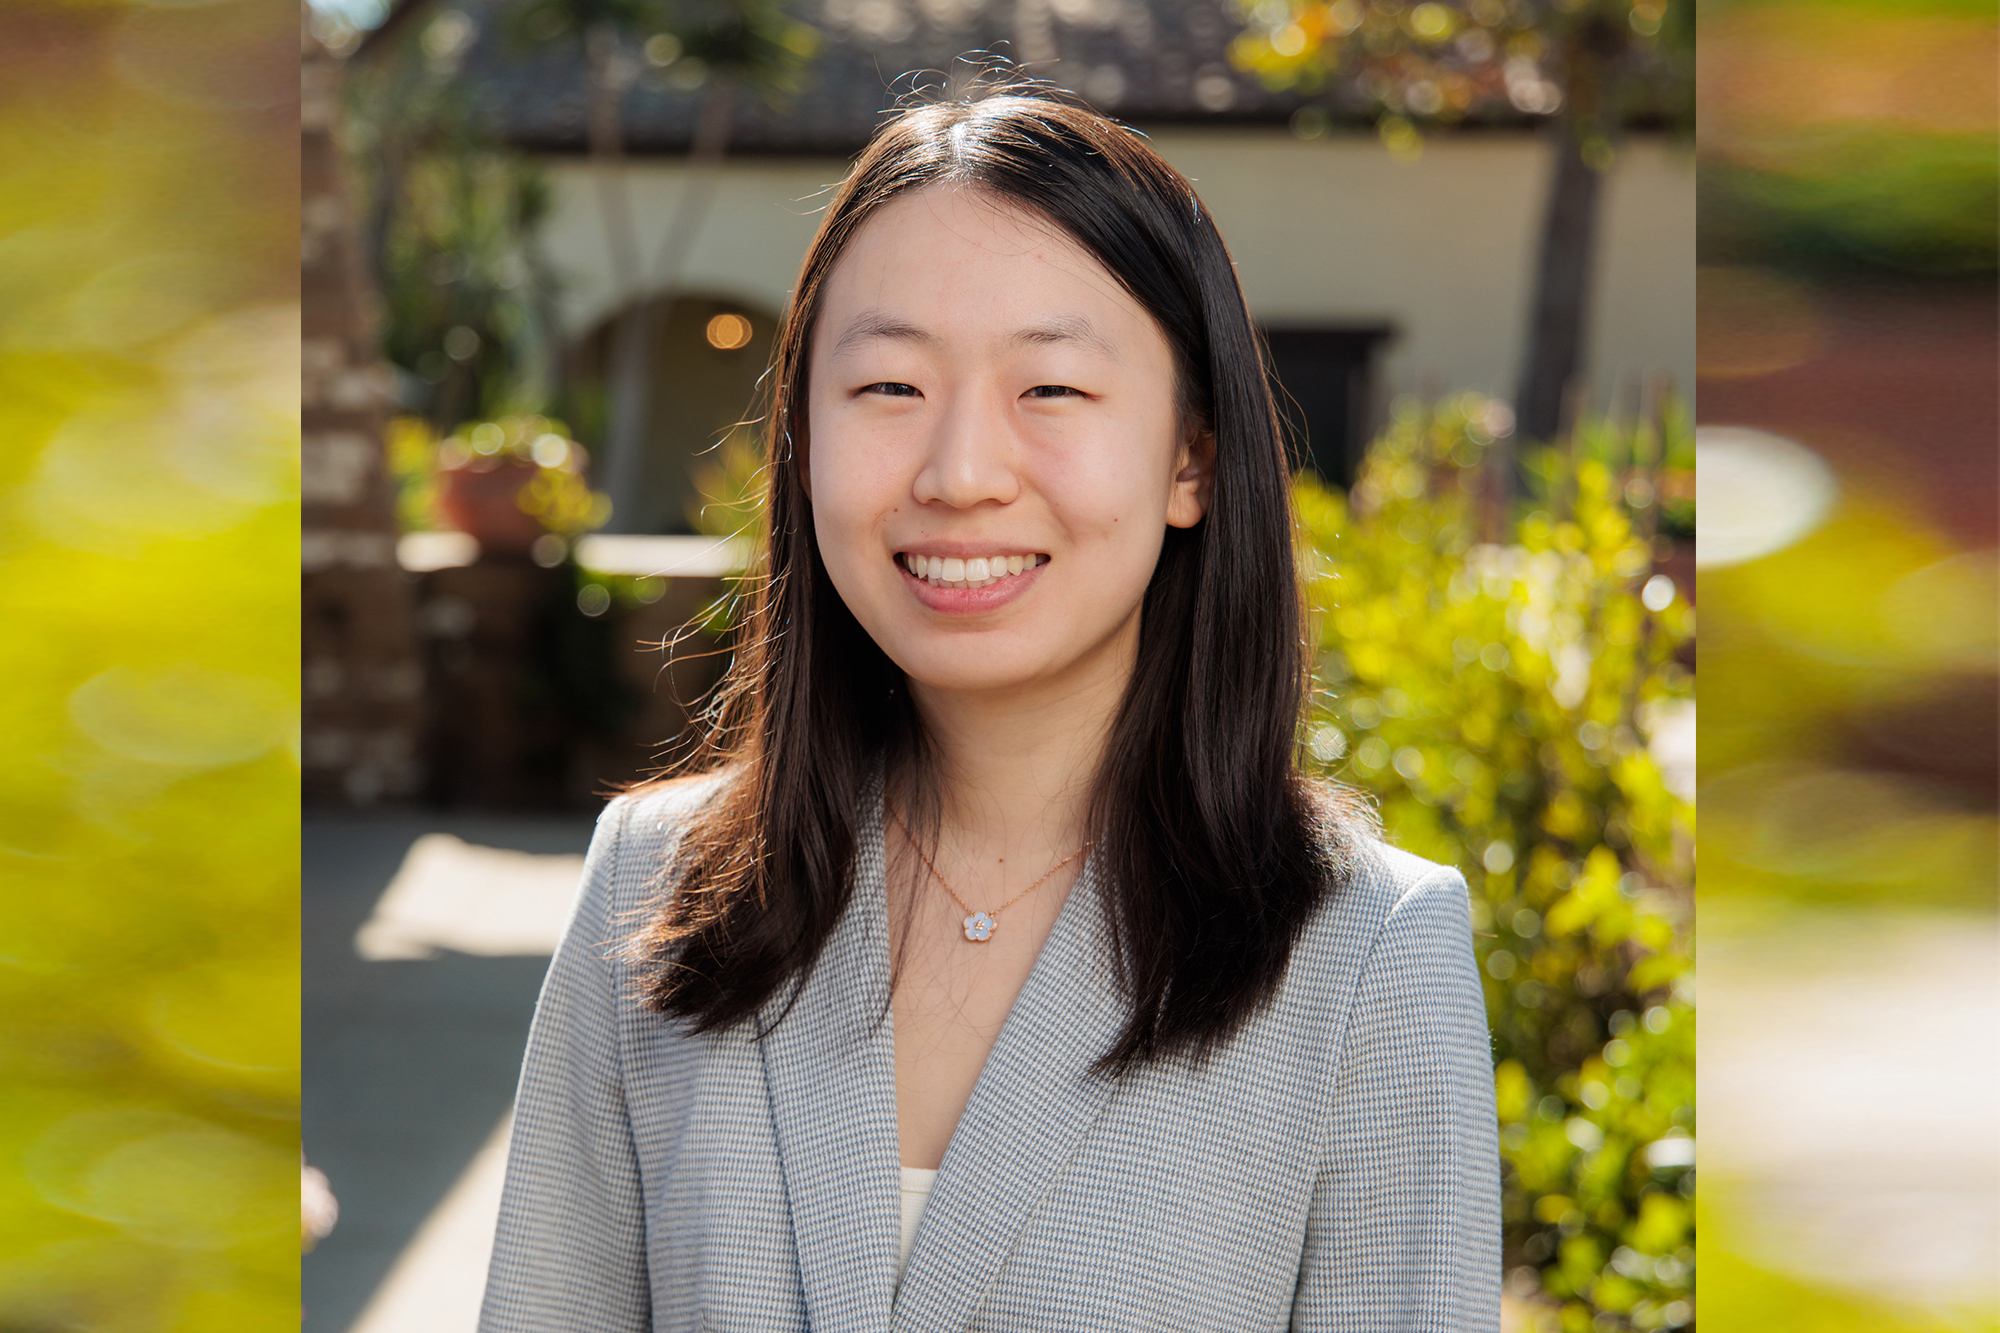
965, 550
967, 601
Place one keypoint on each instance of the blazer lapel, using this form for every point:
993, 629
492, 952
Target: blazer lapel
1034, 1101
831, 1069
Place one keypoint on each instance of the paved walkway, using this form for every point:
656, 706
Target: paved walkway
410, 1060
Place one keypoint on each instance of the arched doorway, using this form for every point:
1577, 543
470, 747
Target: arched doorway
707, 355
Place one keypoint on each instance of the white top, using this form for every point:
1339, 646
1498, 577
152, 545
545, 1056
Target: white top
916, 1193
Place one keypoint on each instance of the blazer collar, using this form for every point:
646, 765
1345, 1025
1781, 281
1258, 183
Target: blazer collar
1034, 1101
831, 1069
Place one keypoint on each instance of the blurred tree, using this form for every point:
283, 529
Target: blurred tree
1588, 65
721, 46
1495, 696
450, 225
462, 310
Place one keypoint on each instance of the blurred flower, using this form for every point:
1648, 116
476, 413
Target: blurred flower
319, 1209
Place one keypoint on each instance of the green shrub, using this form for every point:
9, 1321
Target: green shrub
1494, 696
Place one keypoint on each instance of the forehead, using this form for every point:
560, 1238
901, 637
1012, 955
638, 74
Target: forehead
965, 264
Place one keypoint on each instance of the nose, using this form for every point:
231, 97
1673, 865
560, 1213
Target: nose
969, 457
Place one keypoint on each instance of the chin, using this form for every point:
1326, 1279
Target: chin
1022, 647
971, 667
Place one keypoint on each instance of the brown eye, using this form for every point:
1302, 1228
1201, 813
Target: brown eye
1050, 391
891, 389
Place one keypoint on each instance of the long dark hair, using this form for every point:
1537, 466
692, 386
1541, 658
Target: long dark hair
1212, 848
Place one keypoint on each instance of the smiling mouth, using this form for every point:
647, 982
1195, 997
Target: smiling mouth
978, 572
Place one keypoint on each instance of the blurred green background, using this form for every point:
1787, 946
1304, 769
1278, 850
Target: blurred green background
1850, 510
149, 545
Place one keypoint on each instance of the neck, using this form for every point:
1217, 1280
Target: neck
1016, 767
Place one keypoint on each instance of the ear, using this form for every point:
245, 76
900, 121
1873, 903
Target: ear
1194, 480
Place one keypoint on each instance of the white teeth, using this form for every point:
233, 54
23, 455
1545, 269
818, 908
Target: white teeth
976, 572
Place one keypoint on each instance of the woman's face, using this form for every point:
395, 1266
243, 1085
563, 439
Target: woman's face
994, 451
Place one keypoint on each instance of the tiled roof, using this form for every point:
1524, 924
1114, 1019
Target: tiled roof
1143, 61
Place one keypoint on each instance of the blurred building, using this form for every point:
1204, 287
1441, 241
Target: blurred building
1372, 273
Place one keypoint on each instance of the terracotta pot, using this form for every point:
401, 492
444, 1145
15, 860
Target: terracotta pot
481, 499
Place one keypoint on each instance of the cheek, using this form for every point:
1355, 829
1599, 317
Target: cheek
853, 494
1111, 492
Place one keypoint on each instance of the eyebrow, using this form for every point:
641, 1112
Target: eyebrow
1067, 328
1056, 329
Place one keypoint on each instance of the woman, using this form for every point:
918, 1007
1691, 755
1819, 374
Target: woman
1002, 971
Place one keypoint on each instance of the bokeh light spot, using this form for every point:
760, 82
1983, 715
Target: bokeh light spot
728, 332
181, 714
232, 1015
170, 1179
1757, 493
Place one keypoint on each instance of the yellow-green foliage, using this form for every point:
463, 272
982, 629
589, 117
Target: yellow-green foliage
732, 487
149, 621
1492, 694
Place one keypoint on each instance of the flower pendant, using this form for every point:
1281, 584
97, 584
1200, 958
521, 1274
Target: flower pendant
979, 927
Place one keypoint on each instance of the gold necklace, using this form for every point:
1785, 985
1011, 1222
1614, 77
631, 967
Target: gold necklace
979, 926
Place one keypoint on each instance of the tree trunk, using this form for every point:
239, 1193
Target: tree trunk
623, 445
1582, 141
1556, 321
631, 368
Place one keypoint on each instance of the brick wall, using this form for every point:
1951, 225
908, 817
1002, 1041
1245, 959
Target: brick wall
363, 679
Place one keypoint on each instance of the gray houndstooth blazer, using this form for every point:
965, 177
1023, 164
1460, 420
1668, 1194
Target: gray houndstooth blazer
1334, 1167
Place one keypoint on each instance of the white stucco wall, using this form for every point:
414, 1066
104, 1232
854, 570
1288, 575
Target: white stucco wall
1323, 231
761, 219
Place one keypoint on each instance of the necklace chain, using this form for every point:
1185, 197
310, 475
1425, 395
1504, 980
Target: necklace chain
979, 926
